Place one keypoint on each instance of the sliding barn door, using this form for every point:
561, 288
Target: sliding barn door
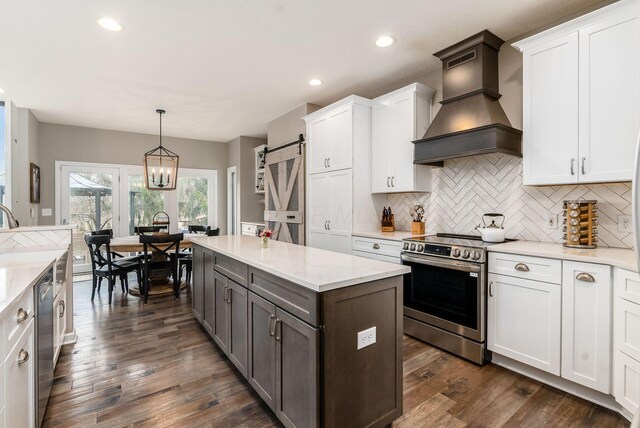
284, 194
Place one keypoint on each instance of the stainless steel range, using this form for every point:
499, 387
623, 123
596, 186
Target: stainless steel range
445, 297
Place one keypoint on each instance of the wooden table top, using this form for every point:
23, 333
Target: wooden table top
131, 244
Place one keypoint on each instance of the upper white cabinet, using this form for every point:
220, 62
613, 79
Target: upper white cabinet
331, 141
398, 118
581, 98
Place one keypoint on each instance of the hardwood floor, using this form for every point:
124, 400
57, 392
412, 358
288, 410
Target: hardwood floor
154, 366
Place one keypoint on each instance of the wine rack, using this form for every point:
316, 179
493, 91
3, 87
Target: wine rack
580, 223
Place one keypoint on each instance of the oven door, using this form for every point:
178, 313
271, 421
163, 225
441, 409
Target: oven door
448, 294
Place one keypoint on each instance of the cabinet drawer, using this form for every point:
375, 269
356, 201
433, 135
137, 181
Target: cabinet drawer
249, 229
13, 327
626, 327
293, 298
377, 246
230, 268
534, 268
627, 285
626, 381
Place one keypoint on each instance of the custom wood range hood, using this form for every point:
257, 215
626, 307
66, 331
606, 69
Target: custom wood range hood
471, 120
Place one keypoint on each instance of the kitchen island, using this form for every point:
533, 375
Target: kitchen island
317, 334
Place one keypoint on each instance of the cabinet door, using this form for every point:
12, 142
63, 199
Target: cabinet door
237, 349
20, 380
297, 371
208, 292
626, 327
341, 126
403, 177
523, 321
550, 112
341, 210
220, 327
609, 99
318, 211
319, 145
626, 382
382, 148
262, 349
59, 322
586, 324
197, 280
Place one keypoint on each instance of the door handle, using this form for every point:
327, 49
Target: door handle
586, 277
22, 315
277, 331
572, 170
23, 357
272, 333
582, 167
522, 267
491, 289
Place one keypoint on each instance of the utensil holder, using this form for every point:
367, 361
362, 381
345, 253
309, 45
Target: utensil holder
417, 228
580, 219
388, 226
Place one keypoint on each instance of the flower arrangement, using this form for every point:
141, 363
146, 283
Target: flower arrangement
265, 237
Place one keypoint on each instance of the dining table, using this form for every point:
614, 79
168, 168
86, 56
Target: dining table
161, 281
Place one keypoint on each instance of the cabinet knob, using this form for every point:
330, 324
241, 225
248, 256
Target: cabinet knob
376, 246
23, 357
586, 277
522, 267
22, 315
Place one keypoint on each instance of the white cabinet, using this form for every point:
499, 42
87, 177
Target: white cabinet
398, 118
524, 321
581, 98
331, 141
586, 324
377, 249
19, 372
59, 317
330, 211
626, 382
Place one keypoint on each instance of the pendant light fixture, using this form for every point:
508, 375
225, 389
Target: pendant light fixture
160, 166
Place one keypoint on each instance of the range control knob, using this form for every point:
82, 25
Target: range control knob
420, 248
405, 246
465, 254
475, 255
413, 247
456, 252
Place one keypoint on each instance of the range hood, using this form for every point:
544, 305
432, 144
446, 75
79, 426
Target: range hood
471, 120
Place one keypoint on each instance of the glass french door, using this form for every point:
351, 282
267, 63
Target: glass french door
89, 198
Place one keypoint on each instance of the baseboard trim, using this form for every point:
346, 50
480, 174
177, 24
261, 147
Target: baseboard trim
69, 338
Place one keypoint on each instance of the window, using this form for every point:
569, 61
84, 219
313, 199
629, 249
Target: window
193, 201
143, 203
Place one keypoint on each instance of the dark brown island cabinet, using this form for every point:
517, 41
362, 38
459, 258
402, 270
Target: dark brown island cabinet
299, 347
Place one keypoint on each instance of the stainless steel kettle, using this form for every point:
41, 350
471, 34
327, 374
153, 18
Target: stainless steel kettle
492, 232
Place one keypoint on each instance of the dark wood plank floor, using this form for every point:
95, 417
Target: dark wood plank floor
154, 366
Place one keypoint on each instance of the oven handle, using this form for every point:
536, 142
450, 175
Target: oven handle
451, 264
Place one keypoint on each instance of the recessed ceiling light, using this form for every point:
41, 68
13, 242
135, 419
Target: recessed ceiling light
385, 41
110, 24
315, 82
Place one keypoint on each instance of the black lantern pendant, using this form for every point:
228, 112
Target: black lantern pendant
160, 166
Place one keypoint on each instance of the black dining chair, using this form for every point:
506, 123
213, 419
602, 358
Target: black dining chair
186, 259
102, 265
119, 258
167, 245
145, 230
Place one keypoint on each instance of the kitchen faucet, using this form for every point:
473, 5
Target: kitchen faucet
13, 223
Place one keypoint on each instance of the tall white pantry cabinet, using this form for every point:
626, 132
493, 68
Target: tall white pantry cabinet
338, 151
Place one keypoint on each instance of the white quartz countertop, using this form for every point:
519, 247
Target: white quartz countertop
398, 235
619, 257
21, 270
37, 228
315, 269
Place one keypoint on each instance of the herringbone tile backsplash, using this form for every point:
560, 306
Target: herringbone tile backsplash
466, 188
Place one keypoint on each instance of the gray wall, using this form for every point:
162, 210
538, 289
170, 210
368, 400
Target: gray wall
240, 153
79, 144
24, 150
287, 127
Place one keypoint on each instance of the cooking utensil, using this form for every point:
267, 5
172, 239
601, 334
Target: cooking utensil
492, 232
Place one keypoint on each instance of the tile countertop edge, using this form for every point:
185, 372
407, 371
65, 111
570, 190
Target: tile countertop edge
317, 286
13, 292
623, 258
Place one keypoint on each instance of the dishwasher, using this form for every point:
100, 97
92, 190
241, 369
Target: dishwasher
43, 296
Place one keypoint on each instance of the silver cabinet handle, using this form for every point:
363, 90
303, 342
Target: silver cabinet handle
22, 315
572, 170
271, 318
229, 295
278, 331
522, 267
329, 225
583, 170
328, 162
388, 178
23, 357
491, 289
325, 225
586, 277
393, 184
64, 307
376, 246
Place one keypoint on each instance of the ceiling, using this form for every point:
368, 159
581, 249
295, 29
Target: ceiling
226, 68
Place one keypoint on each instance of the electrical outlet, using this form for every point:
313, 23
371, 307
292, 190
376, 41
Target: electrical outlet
552, 221
47, 212
366, 337
624, 223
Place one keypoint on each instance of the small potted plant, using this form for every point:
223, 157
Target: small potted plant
265, 237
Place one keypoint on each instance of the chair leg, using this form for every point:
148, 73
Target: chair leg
139, 274
94, 285
122, 279
99, 283
176, 282
111, 281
